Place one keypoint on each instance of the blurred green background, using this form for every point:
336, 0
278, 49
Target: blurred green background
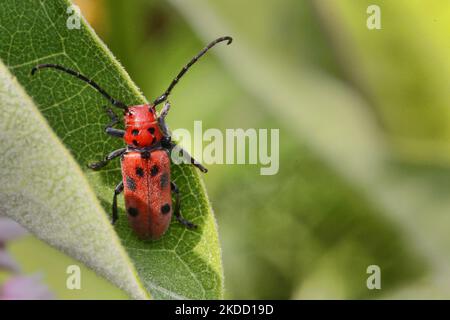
364, 119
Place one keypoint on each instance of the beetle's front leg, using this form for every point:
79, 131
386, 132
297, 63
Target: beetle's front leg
187, 157
162, 119
109, 127
169, 144
109, 157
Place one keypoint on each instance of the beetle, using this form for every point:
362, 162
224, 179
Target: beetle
145, 160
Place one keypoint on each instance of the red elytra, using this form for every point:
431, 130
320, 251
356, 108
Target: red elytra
147, 192
145, 161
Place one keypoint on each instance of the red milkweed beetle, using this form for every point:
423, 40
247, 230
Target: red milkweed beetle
145, 160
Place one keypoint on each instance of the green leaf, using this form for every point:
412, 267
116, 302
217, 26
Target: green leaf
184, 263
43, 188
35, 256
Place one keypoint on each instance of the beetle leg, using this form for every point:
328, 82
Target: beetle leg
189, 158
109, 127
170, 145
176, 210
117, 191
162, 119
165, 110
117, 133
114, 118
109, 157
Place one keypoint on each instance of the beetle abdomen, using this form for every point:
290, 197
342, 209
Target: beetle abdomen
147, 192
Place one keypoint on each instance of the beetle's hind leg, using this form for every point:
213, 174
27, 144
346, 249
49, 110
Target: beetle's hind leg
117, 190
108, 158
176, 210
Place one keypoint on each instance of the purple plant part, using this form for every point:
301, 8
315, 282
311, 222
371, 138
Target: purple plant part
9, 230
18, 287
25, 288
7, 262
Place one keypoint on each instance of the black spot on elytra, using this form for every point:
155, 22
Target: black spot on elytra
135, 132
165, 209
133, 212
145, 155
139, 172
135, 143
154, 170
154, 140
151, 130
131, 184
164, 180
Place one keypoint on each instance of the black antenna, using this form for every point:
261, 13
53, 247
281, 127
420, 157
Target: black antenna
165, 95
78, 75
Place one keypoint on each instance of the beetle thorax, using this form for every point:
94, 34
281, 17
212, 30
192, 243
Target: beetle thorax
141, 126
